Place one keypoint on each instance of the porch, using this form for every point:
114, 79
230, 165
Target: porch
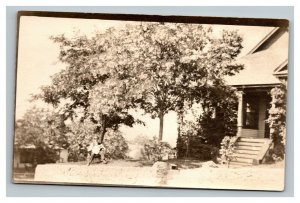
253, 133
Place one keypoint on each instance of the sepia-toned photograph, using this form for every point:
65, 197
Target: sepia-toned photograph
151, 101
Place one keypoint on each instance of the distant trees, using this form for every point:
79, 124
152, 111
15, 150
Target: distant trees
43, 129
40, 126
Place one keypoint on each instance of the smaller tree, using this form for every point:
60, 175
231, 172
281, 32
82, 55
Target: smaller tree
277, 119
219, 116
216, 119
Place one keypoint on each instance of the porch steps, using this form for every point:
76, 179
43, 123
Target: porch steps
250, 151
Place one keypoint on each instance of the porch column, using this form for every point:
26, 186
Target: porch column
240, 113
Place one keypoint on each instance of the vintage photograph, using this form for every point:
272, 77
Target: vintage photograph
151, 101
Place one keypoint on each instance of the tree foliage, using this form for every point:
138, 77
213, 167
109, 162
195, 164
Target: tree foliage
115, 144
158, 66
153, 66
41, 127
277, 118
217, 118
72, 89
44, 130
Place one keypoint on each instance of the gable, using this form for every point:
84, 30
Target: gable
265, 64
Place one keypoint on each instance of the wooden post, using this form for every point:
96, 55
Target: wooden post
240, 114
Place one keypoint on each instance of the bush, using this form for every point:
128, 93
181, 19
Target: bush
200, 138
273, 157
227, 148
44, 154
115, 144
155, 150
195, 147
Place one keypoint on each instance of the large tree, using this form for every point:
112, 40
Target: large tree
153, 66
162, 65
70, 91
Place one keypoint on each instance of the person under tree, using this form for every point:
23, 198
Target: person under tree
96, 149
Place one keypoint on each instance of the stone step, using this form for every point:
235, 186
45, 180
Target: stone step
243, 160
248, 151
250, 148
253, 140
254, 144
248, 156
244, 151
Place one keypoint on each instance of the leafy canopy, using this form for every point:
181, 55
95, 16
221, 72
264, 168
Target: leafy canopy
153, 66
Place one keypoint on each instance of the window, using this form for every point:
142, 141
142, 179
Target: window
250, 112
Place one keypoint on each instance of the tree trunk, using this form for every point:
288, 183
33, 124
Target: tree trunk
161, 126
103, 131
102, 135
179, 121
187, 148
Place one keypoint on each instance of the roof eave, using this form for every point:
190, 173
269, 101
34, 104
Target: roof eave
263, 40
256, 85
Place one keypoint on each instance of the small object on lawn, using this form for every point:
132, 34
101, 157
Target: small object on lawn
174, 167
210, 164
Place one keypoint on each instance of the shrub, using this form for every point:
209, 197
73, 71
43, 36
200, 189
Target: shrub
227, 149
195, 147
155, 150
44, 154
272, 156
200, 138
115, 144
192, 143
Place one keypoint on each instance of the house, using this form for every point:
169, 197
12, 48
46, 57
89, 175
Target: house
265, 67
25, 156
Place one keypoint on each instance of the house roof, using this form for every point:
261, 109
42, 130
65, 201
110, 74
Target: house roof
281, 70
260, 67
263, 40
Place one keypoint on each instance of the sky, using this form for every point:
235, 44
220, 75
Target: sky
38, 60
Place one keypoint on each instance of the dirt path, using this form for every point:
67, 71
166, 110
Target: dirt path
132, 173
232, 178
